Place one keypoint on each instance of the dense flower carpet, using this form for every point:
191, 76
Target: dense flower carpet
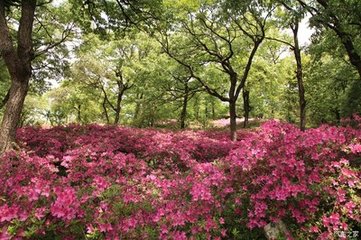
107, 182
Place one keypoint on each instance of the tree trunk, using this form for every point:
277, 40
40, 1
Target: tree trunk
12, 114
117, 113
246, 106
105, 110
354, 57
78, 110
117, 117
121, 89
183, 115
213, 110
137, 106
196, 106
118, 107
233, 120
299, 76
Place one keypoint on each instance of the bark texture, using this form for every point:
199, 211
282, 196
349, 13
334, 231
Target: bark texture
233, 120
299, 76
183, 115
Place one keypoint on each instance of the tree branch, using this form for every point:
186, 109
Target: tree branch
211, 91
247, 68
280, 41
65, 34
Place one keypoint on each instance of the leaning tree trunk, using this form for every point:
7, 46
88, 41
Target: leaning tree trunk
17, 57
118, 106
233, 120
12, 113
299, 76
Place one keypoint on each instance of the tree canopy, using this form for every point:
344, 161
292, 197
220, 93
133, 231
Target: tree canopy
186, 63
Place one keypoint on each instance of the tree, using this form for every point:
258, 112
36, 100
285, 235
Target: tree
18, 53
343, 18
220, 39
110, 84
292, 18
164, 88
299, 73
70, 102
267, 82
17, 57
181, 87
125, 64
331, 81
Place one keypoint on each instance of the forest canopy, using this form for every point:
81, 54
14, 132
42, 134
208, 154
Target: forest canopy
149, 63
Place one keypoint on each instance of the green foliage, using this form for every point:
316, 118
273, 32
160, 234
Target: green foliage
107, 40
4, 84
103, 17
352, 103
332, 82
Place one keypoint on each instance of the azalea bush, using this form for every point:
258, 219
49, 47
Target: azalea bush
107, 182
309, 180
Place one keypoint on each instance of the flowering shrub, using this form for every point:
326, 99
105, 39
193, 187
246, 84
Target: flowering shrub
105, 182
310, 180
